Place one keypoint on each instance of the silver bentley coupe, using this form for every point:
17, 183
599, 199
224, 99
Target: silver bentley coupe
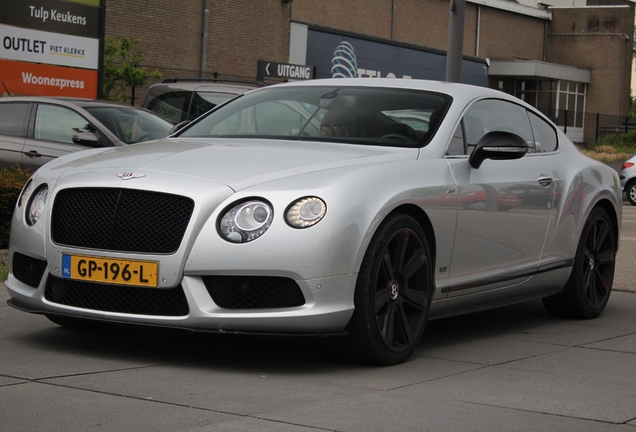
358, 208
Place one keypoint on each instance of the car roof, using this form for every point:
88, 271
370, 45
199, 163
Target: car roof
460, 92
216, 85
64, 101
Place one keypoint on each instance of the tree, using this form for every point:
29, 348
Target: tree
122, 69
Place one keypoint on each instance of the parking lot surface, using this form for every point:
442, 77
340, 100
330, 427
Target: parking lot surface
511, 369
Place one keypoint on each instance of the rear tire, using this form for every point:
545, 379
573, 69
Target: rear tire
393, 294
590, 284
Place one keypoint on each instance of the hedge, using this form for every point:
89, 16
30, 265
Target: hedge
11, 182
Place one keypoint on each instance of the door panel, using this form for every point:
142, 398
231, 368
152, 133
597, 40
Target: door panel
504, 206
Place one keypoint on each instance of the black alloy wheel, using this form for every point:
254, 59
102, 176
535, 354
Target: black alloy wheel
590, 284
393, 293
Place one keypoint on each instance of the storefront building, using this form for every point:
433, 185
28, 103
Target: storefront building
572, 62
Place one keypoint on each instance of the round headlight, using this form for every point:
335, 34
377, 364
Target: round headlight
246, 221
305, 212
37, 205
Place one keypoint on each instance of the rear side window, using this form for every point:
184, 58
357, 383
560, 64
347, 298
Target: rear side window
13, 118
171, 106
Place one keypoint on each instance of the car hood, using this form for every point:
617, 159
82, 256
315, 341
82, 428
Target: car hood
237, 164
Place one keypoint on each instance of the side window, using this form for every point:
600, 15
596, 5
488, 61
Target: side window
545, 137
13, 119
59, 124
496, 115
456, 146
171, 106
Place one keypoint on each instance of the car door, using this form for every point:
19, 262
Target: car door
14, 117
52, 134
504, 206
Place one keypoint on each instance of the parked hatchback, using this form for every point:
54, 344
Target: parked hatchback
184, 99
35, 130
628, 179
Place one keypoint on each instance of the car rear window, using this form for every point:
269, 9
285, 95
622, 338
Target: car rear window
13, 118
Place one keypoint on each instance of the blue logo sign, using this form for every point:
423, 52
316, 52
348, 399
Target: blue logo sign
344, 63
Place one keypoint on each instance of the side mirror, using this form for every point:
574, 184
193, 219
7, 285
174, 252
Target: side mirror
498, 145
176, 128
88, 139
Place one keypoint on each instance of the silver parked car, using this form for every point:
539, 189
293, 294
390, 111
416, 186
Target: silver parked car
313, 209
35, 130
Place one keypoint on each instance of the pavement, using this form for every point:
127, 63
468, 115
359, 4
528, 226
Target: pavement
510, 369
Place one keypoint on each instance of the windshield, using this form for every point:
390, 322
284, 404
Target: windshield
361, 115
131, 125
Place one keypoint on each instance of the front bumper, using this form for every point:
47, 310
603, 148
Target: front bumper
327, 308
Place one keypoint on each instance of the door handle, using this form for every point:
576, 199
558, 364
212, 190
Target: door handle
545, 181
33, 154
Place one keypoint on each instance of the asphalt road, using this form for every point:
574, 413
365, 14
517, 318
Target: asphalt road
512, 369
625, 276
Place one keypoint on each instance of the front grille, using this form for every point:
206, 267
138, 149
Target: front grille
124, 220
28, 270
115, 298
253, 292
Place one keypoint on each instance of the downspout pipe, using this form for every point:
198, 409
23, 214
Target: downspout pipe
455, 40
393, 21
204, 38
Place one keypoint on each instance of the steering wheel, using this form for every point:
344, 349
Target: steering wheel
144, 137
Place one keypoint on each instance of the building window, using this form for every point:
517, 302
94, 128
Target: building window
570, 103
560, 100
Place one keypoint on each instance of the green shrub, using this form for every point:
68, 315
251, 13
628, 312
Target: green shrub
611, 140
629, 139
11, 182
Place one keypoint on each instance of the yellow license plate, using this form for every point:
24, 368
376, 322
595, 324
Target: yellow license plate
112, 271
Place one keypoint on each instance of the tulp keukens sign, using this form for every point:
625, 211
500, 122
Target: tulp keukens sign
53, 16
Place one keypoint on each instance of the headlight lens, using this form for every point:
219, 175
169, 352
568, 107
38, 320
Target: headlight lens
246, 221
37, 205
306, 212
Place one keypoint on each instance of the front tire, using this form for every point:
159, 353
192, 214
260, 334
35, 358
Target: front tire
393, 293
630, 192
590, 284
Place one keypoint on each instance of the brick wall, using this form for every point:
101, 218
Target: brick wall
599, 39
509, 36
369, 17
240, 32
503, 35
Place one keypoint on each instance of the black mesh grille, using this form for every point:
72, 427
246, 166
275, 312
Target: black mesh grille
28, 270
253, 292
114, 298
124, 220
